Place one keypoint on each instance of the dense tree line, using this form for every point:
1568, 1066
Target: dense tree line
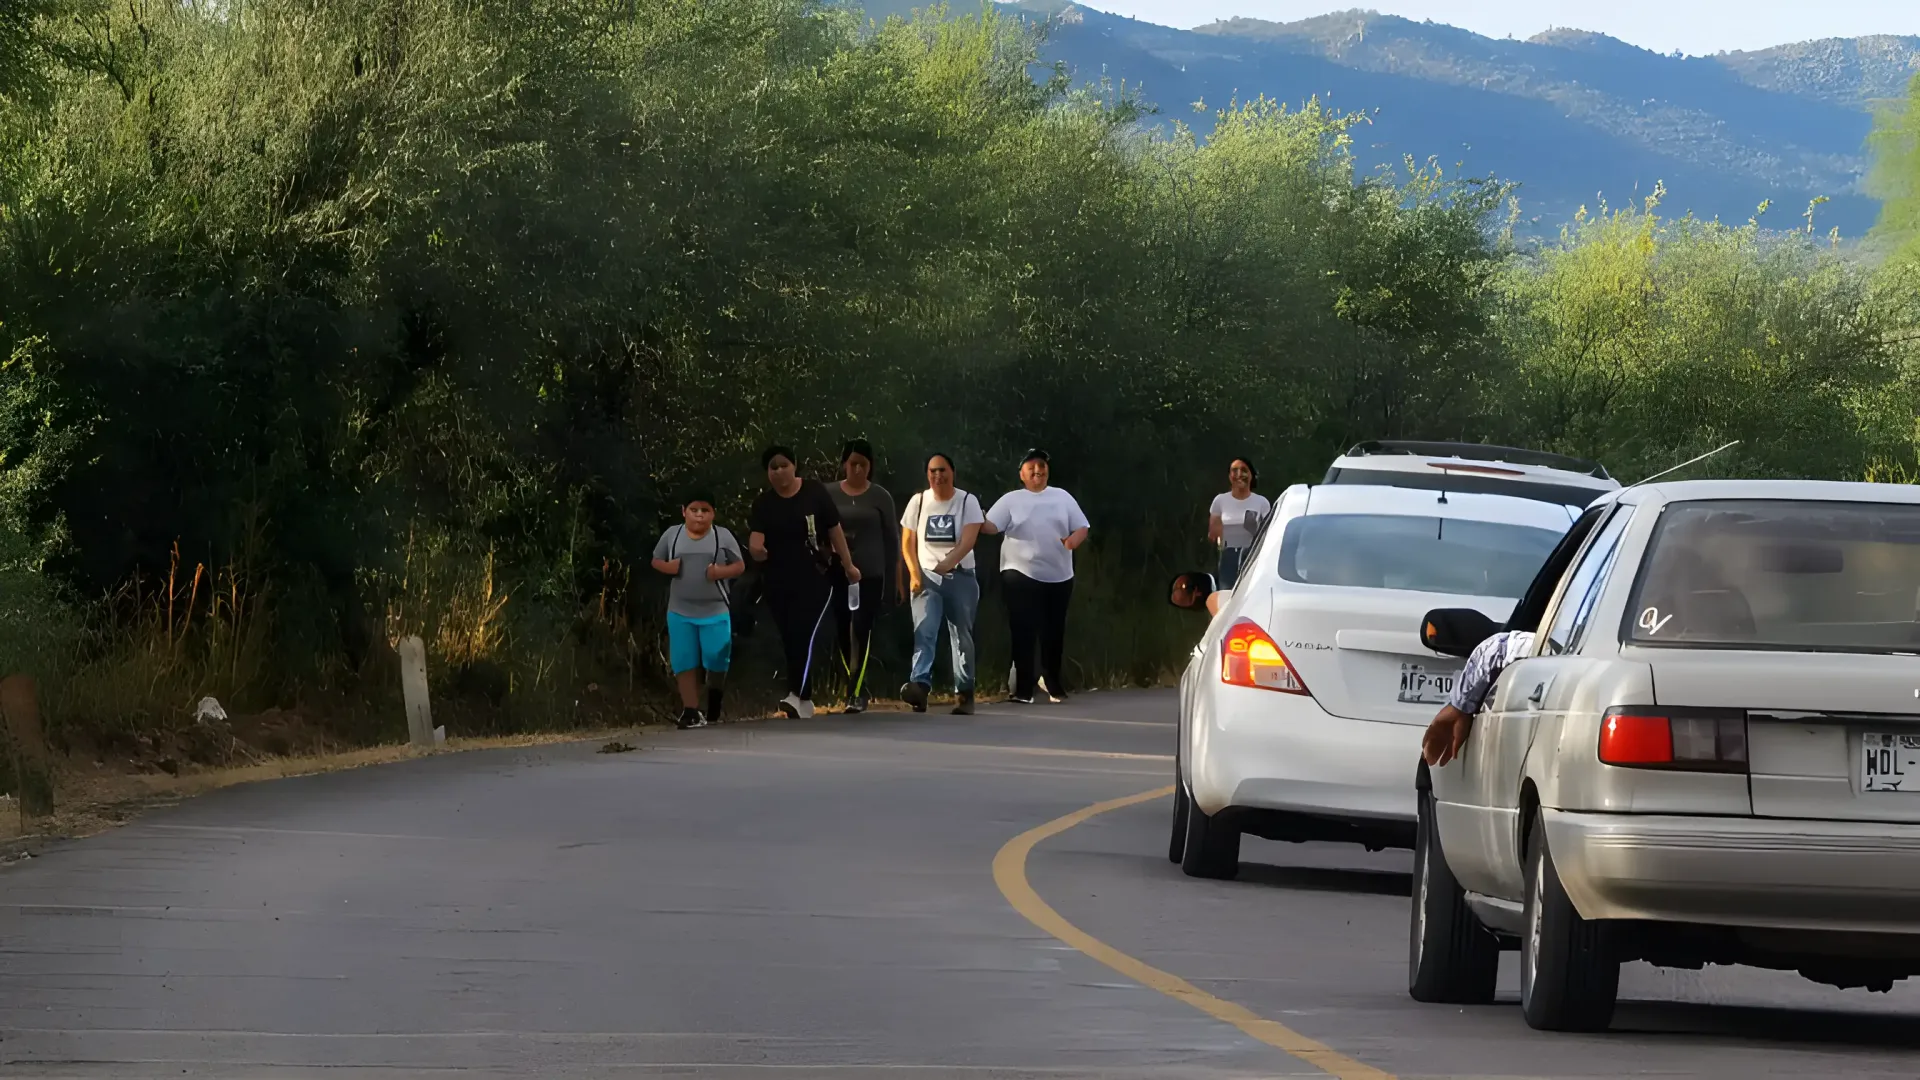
416, 315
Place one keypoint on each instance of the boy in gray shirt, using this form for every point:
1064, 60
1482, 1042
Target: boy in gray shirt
702, 559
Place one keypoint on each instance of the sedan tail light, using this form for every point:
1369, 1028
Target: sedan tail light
1248, 657
1664, 739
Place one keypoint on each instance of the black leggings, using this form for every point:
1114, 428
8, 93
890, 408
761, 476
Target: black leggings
1037, 617
799, 611
853, 636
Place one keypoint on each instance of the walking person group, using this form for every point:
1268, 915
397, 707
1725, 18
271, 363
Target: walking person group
832, 557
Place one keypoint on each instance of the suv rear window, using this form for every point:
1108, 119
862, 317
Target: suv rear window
1414, 553
1793, 575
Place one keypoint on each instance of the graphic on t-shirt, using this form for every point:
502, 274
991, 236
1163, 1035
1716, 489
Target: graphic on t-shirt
941, 529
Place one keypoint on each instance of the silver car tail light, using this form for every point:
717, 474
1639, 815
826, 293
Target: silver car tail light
1650, 738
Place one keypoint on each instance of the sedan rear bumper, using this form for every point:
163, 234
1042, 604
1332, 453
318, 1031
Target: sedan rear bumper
1256, 750
1755, 872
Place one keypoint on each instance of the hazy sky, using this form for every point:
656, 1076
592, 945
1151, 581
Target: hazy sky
1697, 27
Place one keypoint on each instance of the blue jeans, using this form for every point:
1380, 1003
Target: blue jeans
955, 601
1230, 559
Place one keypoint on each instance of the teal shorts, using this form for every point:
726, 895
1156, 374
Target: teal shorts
700, 643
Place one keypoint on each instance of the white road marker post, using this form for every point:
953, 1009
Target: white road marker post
413, 688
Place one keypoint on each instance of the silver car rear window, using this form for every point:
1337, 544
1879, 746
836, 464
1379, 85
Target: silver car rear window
1415, 554
1790, 575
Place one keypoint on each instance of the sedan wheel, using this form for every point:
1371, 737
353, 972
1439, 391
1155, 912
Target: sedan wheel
1212, 849
1451, 957
1569, 971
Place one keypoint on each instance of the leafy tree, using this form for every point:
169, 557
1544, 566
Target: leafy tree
417, 315
1642, 341
1896, 172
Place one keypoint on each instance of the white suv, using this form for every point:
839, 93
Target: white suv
1475, 468
1302, 707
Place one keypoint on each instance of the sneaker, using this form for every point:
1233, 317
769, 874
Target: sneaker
1017, 699
964, 706
796, 707
915, 695
690, 718
858, 704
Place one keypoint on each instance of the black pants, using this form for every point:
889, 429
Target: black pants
853, 636
799, 610
1037, 617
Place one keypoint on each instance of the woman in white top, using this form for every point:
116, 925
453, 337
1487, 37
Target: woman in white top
1042, 526
1234, 519
937, 533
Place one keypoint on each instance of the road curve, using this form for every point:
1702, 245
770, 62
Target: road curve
797, 900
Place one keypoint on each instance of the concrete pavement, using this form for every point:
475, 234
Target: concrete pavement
789, 899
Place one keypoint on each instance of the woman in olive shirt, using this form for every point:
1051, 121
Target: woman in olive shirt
873, 536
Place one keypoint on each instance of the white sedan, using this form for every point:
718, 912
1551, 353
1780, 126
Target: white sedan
1302, 708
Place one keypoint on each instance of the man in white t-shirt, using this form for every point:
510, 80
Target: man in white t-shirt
1234, 519
938, 530
1041, 527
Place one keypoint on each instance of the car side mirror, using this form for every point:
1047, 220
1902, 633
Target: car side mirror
1456, 631
1191, 589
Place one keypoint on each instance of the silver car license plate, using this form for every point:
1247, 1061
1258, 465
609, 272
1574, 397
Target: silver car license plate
1889, 762
1419, 686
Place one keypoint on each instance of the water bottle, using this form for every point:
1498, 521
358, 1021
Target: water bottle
853, 596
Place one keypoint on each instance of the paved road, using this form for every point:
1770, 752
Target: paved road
789, 900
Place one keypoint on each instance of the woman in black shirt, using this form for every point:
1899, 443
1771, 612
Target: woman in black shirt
796, 533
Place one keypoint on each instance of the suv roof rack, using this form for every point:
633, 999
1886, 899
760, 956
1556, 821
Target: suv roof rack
1480, 452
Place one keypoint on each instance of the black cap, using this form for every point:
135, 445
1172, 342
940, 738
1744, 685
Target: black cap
1036, 454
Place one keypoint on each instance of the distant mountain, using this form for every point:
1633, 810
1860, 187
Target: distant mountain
1847, 71
1574, 116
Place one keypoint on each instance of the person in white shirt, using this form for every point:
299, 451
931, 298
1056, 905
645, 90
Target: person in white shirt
938, 530
1234, 518
1041, 527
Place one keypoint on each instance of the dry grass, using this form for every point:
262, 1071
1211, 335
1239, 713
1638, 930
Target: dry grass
99, 799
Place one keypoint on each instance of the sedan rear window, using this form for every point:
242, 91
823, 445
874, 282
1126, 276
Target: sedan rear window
1794, 575
1414, 554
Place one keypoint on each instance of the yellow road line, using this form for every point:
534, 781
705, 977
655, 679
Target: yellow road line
1010, 873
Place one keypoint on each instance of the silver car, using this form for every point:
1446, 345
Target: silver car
1710, 755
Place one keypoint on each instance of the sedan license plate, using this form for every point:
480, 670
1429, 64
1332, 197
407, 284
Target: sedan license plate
1419, 686
1889, 762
